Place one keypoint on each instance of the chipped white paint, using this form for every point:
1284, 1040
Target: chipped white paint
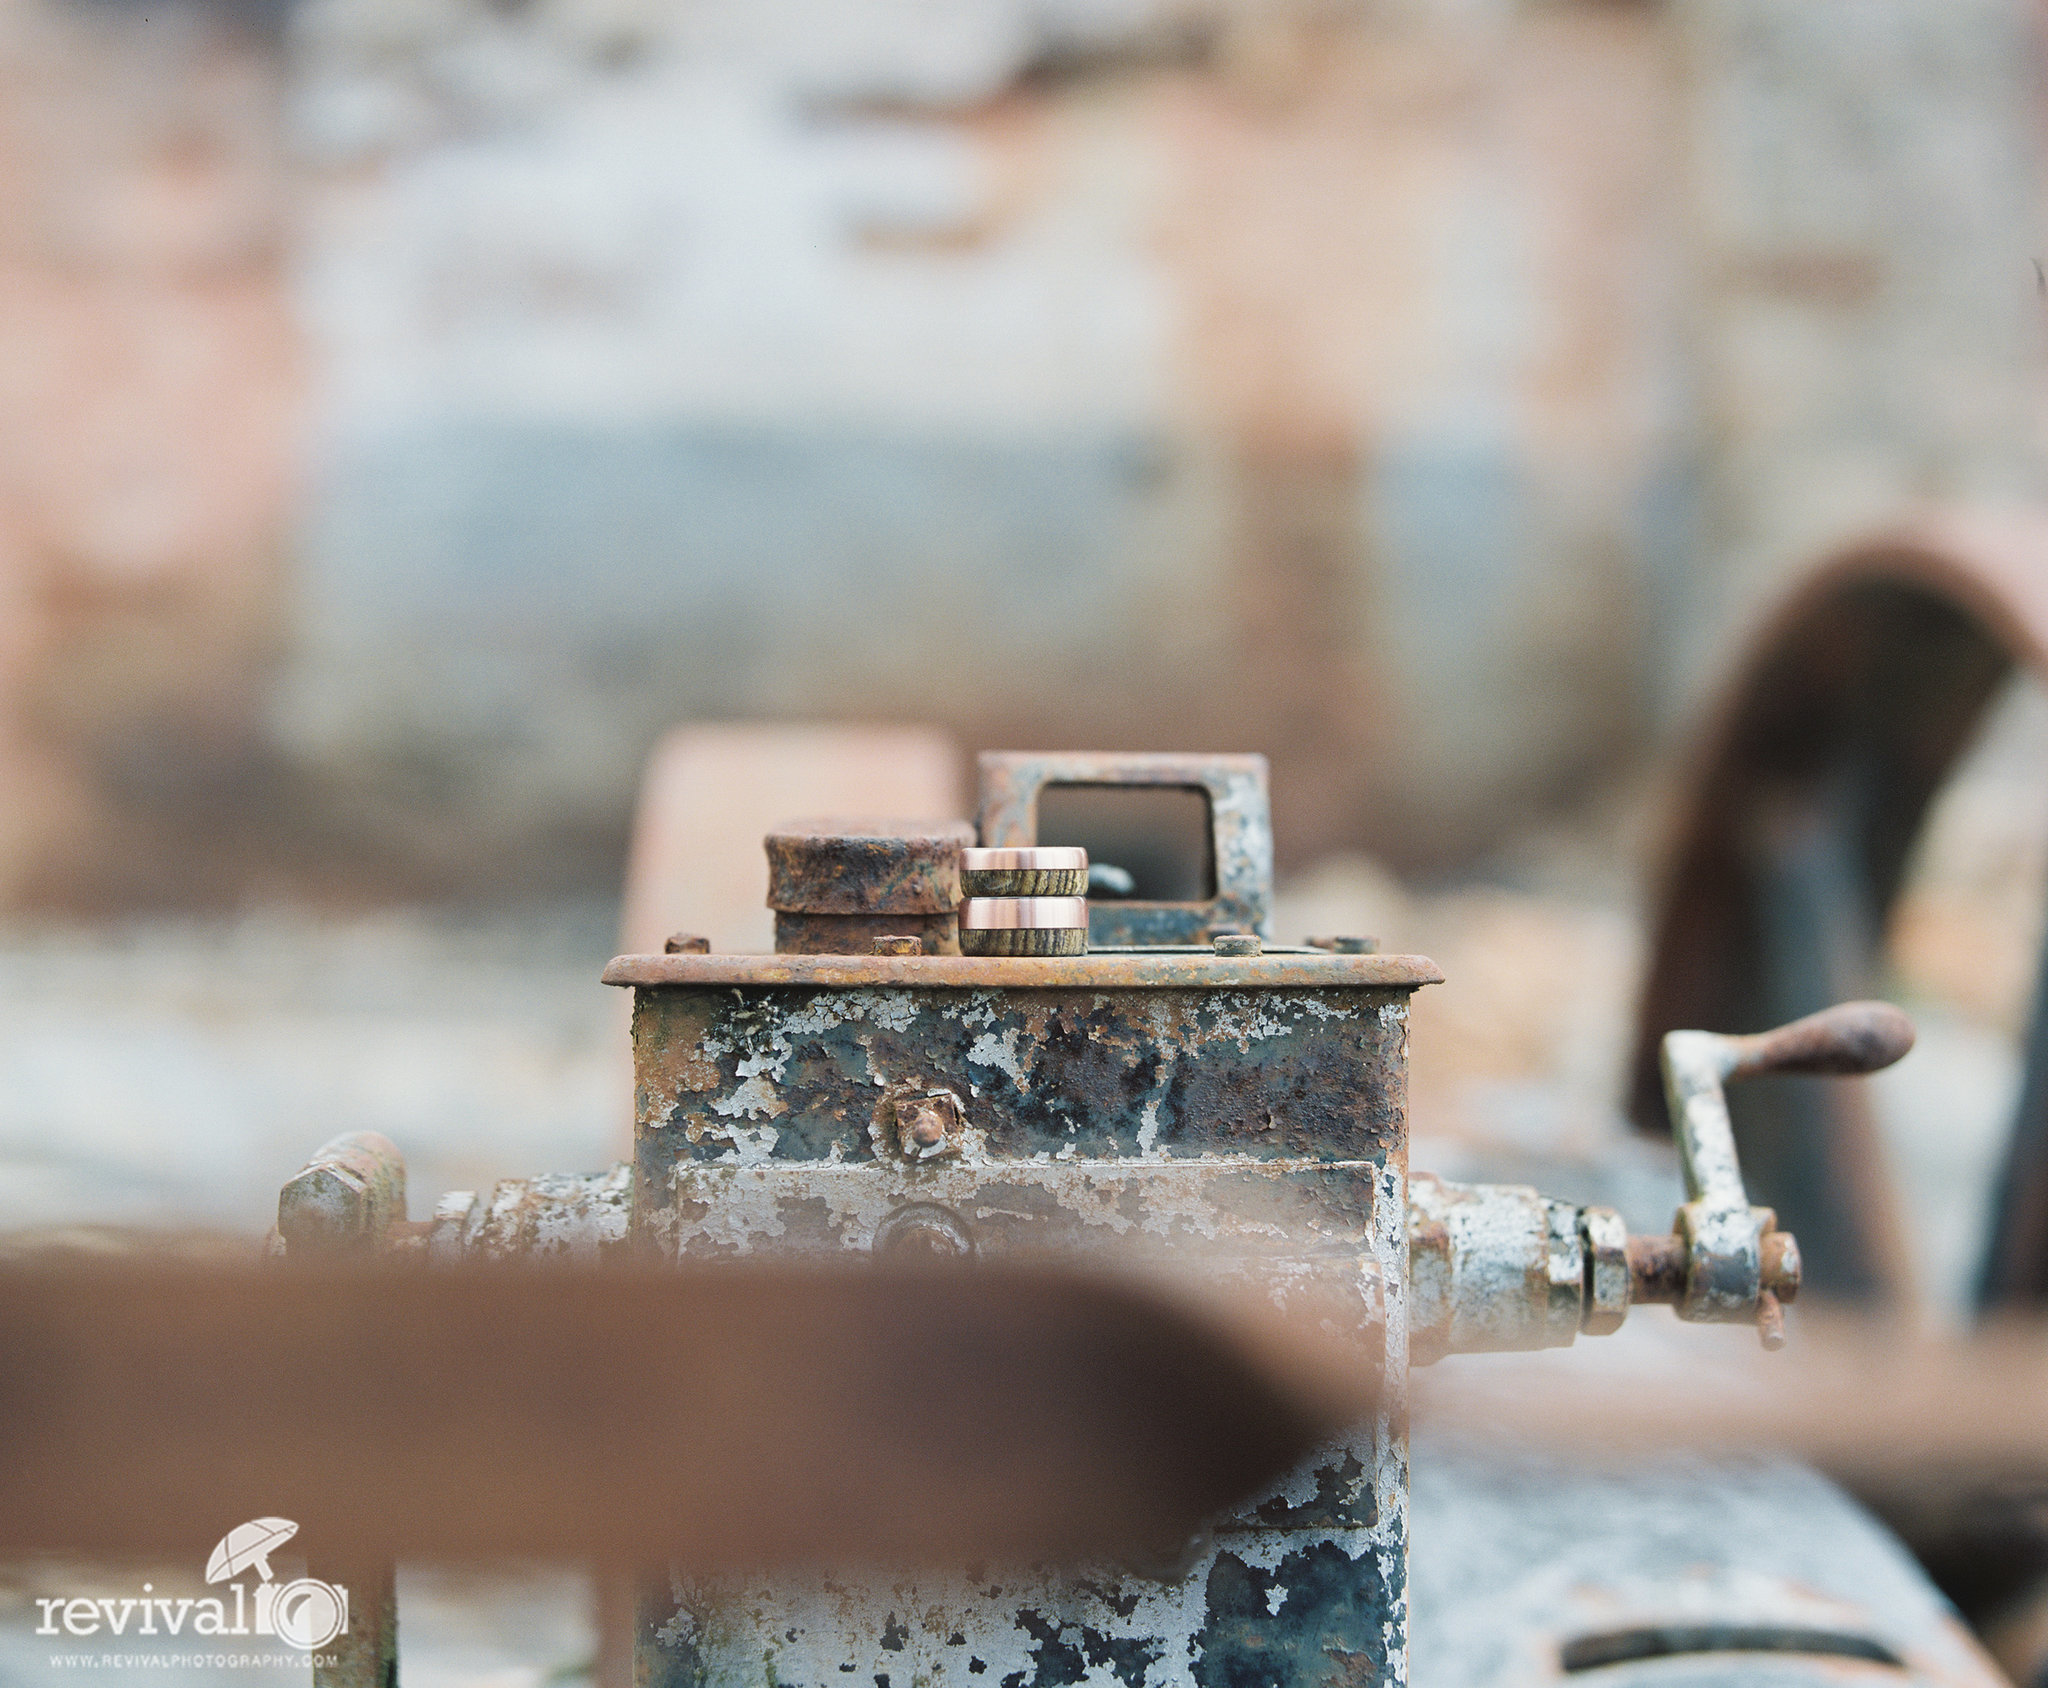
988, 1050
755, 1097
1492, 1267
800, 1630
1148, 1130
579, 1216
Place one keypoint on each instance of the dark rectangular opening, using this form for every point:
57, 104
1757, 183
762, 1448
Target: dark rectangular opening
1159, 835
1664, 1641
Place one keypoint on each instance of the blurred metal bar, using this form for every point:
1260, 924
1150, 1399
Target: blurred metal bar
636, 1415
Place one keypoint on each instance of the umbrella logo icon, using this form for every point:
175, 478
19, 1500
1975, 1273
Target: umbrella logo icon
305, 1612
248, 1545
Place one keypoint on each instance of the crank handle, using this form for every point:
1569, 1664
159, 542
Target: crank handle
1500, 1266
1726, 1261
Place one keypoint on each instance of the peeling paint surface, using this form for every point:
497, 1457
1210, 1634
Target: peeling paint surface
1116, 1073
1259, 1606
1252, 1135
576, 1216
1491, 1267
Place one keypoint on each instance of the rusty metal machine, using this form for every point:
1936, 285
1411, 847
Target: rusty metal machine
1186, 1098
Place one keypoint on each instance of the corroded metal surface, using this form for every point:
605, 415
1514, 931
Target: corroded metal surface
1282, 1222
1241, 827
855, 934
1096, 971
866, 866
1203, 1118
1319, 1608
560, 1216
735, 1077
1492, 1267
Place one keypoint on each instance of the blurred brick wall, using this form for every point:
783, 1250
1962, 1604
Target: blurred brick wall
1284, 377
150, 387
1865, 301
423, 406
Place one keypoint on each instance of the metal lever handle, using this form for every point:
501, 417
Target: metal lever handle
1498, 1266
1737, 1265
1851, 1037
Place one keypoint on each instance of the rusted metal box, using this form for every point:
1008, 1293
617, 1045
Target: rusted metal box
1188, 1113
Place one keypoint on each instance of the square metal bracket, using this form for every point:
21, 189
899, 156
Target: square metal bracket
1241, 835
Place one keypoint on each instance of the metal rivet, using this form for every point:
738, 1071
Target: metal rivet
928, 1126
686, 943
899, 946
1238, 943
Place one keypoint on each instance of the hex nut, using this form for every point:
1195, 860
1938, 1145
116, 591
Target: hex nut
1605, 1233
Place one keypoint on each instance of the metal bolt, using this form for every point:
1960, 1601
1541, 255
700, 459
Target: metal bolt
899, 946
686, 943
928, 1125
1770, 1321
1238, 943
345, 1199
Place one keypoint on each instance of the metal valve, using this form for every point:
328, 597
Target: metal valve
1498, 1266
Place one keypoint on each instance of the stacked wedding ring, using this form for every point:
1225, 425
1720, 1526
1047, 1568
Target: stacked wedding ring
1024, 901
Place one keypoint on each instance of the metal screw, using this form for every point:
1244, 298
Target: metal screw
1238, 943
686, 943
899, 946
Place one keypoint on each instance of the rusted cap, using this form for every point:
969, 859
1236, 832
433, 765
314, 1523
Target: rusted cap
841, 866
